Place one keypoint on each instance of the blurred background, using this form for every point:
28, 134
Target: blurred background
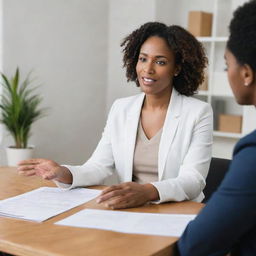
73, 48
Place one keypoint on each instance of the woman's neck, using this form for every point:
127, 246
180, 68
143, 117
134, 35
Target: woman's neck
157, 102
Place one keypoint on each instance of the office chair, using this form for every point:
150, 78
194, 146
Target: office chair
5, 254
217, 171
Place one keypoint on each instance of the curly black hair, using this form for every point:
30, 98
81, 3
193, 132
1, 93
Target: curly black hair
189, 54
242, 39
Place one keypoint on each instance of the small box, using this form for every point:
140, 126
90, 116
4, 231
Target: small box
230, 123
200, 23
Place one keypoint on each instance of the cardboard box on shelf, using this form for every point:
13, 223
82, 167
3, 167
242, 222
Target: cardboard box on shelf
200, 23
230, 123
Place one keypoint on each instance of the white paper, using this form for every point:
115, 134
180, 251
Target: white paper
130, 222
45, 202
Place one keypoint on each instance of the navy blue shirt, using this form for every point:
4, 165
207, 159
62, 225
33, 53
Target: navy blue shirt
228, 221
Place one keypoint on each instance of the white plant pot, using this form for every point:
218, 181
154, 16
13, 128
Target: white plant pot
15, 155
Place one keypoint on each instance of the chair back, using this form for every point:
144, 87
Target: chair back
218, 169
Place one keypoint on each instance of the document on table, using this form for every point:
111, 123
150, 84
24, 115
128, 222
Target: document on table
45, 202
130, 222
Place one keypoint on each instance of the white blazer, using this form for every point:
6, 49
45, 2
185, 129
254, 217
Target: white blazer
184, 150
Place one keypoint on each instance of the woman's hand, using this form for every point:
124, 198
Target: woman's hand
47, 169
128, 194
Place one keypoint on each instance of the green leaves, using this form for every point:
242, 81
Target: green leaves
20, 108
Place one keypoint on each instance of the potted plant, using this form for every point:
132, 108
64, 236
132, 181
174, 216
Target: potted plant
19, 110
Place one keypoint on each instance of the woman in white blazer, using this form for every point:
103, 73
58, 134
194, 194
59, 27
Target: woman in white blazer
160, 138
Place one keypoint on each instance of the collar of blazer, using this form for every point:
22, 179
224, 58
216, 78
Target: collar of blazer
169, 130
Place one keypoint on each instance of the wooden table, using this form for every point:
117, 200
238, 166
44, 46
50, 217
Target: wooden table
21, 237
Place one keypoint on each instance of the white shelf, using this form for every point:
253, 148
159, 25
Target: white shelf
219, 94
228, 135
203, 93
212, 39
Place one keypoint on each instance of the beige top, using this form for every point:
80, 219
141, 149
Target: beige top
145, 161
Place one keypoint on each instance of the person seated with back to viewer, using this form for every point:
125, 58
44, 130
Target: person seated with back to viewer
228, 222
157, 142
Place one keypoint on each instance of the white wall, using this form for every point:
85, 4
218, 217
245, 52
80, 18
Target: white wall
66, 43
124, 17
74, 49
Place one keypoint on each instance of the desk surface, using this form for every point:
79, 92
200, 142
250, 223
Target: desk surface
27, 238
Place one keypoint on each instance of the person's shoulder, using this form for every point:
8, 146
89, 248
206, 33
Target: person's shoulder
194, 105
128, 101
242, 171
122, 106
246, 142
190, 100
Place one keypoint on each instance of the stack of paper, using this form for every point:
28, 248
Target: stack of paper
130, 222
45, 202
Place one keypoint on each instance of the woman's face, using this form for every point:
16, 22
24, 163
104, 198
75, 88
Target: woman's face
156, 66
236, 80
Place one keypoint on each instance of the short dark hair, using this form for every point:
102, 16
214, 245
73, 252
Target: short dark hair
242, 39
189, 54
